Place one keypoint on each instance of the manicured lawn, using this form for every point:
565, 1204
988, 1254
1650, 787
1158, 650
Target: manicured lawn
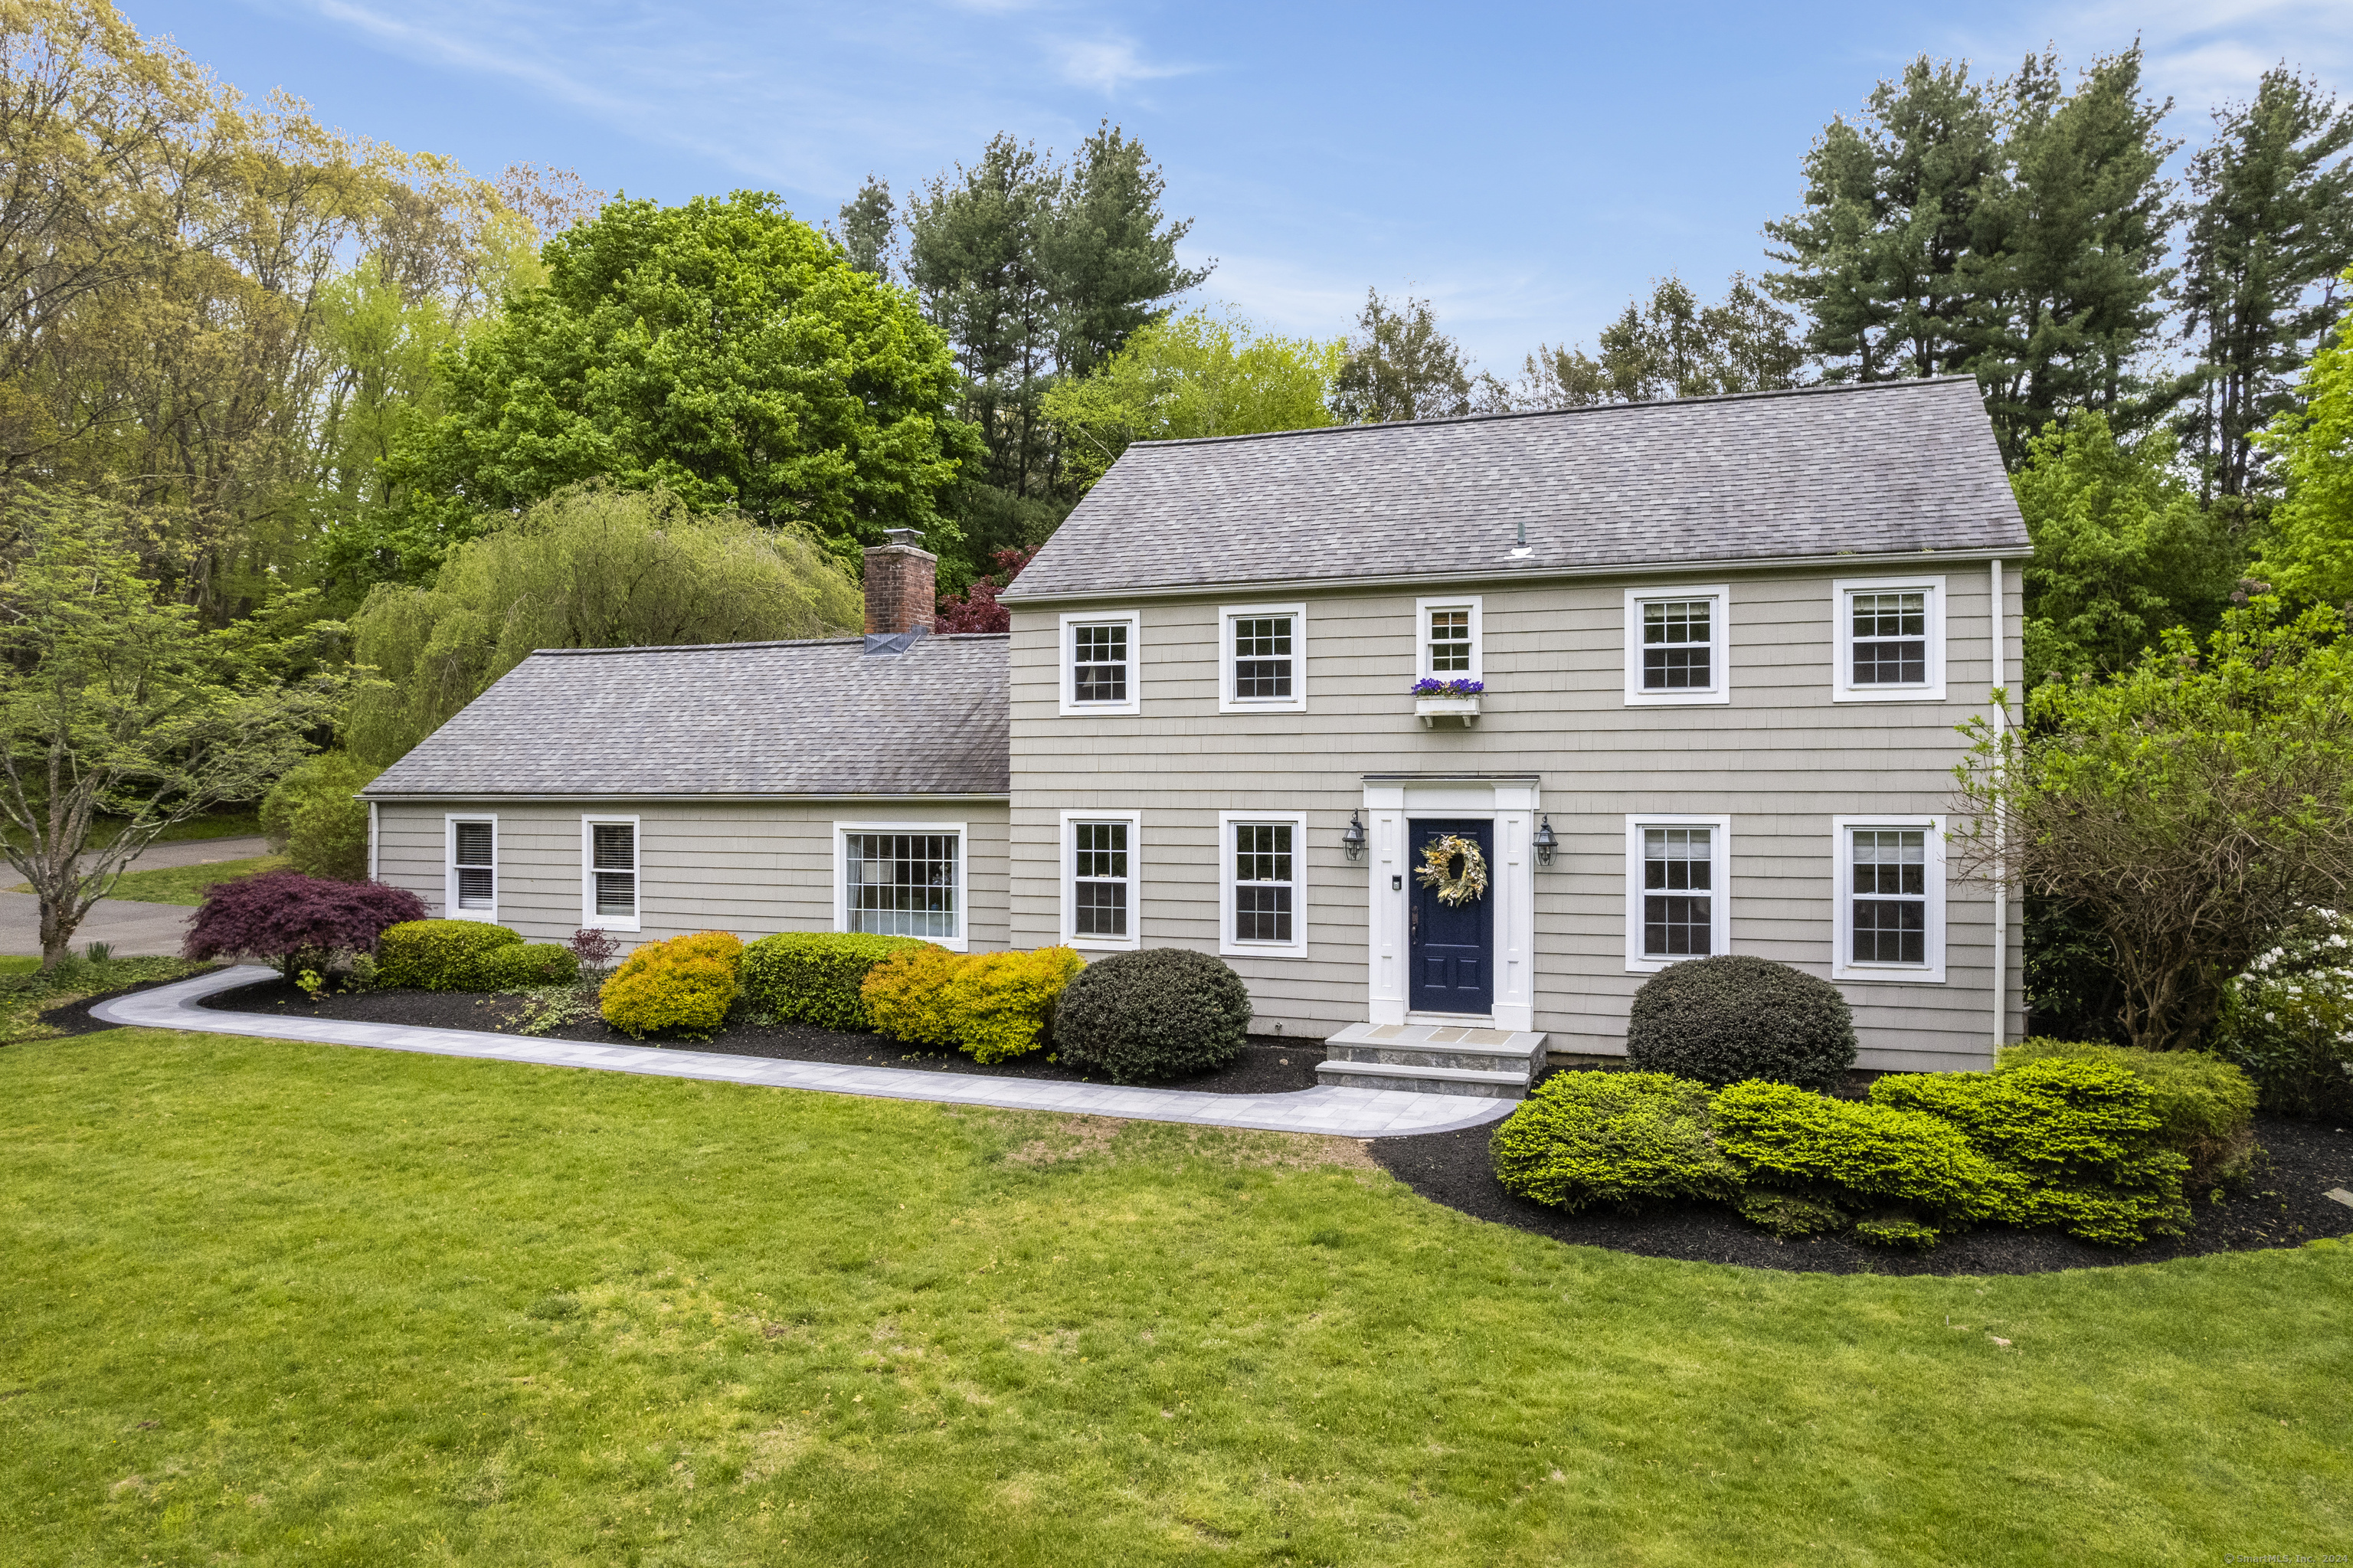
25, 993
276, 1303
185, 885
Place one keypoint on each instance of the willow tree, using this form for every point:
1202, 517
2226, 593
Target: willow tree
591, 567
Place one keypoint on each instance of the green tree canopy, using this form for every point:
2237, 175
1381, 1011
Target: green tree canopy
2308, 548
590, 567
1398, 365
721, 351
2190, 808
1194, 375
1672, 347
113, 702
2122, 549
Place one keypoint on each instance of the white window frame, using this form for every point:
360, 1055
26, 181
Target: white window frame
1719, 664
1068, 666
1719, 938
1067, 871
959, 942
589, 918
1842, 965
449, 867
1843, 686
1422, 612
1228, 943
1229, 704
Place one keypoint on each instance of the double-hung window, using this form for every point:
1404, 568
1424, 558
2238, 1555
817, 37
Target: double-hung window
1263, 658
471, 885
609, 890
1678, 903
1889, 898
902, 879
1099, 667
1889, 638
1099, 866
1264, 904
1450, 639
1678, 648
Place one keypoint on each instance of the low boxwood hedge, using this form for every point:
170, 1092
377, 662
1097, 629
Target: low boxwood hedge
439, 955
528, 965
813, 977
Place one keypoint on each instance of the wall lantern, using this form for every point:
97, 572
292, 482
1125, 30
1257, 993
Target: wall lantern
1352, 837
1544, 842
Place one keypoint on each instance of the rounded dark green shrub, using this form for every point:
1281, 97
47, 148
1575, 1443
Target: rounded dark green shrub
1730, 1018
1163, 1012
527, 966
439, 955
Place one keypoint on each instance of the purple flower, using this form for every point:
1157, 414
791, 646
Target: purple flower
1428, 686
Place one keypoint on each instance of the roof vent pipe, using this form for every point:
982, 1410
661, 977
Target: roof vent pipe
901, 590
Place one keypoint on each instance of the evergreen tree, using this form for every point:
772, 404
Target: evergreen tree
2064, 279
1891, 204
2271, 227
869, 229
1398, 365
1109, 254
1671, 347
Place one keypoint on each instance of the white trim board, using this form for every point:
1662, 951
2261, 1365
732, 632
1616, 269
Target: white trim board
960, 941
1719, 687
1065, 664
1229, 704
449, 910
1066, 876
1231, 945
1389, 806
1843, 686
589, 918
1842, 966
1719, 908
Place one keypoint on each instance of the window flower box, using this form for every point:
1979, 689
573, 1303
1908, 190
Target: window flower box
1447, 701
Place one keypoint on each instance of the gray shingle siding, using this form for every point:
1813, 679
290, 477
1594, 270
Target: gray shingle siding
747, 718
1889, 467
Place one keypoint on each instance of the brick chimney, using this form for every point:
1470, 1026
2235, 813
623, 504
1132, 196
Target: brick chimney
902, 585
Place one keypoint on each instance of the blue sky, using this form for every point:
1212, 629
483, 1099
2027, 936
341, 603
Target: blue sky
1527, 167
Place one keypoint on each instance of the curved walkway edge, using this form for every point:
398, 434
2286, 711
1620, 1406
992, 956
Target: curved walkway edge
1343, 1113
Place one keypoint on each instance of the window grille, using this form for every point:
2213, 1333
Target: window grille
1891, 639
613, 862
1100, 881
1263, 884
1678, 892
1262, 656
1889, 895
1099, 663
1677, 645
474, 857
1449, 642
903, 885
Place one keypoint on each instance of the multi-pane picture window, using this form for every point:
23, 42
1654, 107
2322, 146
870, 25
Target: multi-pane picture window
1450, 642
613, 870
1888, 895
902, 884
1261, 651
1678, 892
1099, 661
1889, 642
1677, 644
1100, 881
473, 866
1264, 884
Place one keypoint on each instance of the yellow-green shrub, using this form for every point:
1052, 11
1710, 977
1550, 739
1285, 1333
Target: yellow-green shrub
683, 986
991, 1005
439, 955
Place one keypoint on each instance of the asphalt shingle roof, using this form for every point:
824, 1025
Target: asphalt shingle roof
744, 718
1888, 467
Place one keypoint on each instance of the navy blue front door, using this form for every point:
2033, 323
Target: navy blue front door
1453, 946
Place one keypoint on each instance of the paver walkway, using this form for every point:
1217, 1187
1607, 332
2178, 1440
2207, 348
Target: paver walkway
1346, 1113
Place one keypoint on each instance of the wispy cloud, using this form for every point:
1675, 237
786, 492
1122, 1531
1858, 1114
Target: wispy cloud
1106, 65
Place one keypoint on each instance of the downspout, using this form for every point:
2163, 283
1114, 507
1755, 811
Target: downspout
371, 849
2000, 893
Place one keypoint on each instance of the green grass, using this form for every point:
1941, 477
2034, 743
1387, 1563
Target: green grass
183, 885
276, 1303
25, 993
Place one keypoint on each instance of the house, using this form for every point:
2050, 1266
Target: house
1722, 648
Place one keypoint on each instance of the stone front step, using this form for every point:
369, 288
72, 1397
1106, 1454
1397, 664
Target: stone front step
1427, 1058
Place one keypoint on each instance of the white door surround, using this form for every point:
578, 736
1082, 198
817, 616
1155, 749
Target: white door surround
1511, 801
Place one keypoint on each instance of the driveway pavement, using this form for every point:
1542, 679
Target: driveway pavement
134, 929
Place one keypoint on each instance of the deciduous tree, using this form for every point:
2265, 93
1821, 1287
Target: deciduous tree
2307, 550
1398, 365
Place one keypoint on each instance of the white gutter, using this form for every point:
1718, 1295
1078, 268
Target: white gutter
2001, 891
372, 843
676, 796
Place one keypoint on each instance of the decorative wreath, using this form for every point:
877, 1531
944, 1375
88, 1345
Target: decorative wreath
1441, 856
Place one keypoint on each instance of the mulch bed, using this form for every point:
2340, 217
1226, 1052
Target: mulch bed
2283, 1208
74, 1018
1267, 1065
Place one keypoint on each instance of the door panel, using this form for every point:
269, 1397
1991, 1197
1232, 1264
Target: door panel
1454, 966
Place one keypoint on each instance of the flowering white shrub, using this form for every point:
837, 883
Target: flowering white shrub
2289, 1018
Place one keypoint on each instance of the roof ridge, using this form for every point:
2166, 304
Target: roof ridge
1818, 389
857, 641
